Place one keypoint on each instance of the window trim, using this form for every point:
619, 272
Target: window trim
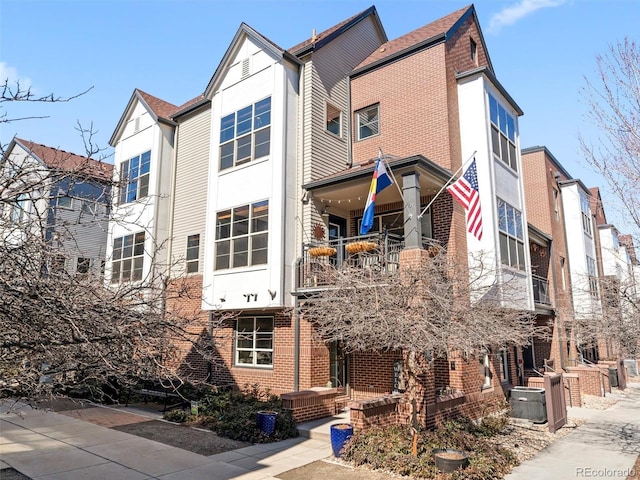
230, 231
513, 234
331, 121
239, 131
254, 349
141, 178
137, 254
503, 134
585, 211
190, 262
360, 126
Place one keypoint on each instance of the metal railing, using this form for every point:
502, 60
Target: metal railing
378, 252
541, 290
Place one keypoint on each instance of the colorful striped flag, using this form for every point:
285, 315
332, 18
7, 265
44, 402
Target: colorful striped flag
465, 191
379, 182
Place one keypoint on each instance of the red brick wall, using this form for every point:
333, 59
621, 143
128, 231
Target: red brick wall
590, 380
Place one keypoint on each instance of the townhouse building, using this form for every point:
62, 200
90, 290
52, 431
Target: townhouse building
55, 204
233, 191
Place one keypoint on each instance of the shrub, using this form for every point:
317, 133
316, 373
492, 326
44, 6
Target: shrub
233, 414
389, 449
176, 415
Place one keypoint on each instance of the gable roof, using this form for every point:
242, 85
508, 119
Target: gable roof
159, 109
61, 160
424, 37
244, 30
319, 40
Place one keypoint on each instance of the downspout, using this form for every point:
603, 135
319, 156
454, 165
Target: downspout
296, 311
172, 203
348, 125
555, 296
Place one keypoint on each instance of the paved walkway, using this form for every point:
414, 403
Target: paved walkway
79, 444
606, 446
72, 445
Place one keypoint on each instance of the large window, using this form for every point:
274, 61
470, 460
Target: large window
368, 122
242, 236
585, 208
127, 258
503, 134
593, 276
511, 235
254, 342
246, 134
193, 253
134, 178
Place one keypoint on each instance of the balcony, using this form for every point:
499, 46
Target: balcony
540, 290
378, 253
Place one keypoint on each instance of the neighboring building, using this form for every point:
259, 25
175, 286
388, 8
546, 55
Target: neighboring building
59, 202
543, 176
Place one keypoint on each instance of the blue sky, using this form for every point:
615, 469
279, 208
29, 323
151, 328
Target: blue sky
541, 50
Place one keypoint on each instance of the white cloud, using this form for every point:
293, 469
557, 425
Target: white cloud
511, 15
10, 74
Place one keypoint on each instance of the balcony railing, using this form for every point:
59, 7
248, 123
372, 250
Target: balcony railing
541, 290
376, 252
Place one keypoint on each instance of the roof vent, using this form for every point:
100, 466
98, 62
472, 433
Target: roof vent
245, 68
314, 37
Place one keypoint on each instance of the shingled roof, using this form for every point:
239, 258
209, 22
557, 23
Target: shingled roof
161, 108
58, 159
407, 42
323, 37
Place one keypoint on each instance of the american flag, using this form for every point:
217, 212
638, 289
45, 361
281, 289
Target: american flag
465, 191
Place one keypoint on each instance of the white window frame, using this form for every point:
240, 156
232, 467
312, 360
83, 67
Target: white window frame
585, 209
511, 235
134, 178
592, 276
503, 134
127, 258
234, 229
246, 130
364, 121
333, 123
254, 347
192, 257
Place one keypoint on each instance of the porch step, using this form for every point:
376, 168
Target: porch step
321, 429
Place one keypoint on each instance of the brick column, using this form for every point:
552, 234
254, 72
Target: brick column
412, 224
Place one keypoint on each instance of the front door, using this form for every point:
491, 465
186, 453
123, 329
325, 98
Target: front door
338, 366
337, 230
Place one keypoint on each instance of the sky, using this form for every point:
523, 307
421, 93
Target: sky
541, 51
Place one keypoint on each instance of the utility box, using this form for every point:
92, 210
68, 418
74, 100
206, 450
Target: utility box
613, 377
528, 403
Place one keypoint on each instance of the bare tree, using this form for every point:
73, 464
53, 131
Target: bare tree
422, 311
61, 326
614, 108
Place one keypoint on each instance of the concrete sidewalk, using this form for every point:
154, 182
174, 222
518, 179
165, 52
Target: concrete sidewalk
47, 445
606, 446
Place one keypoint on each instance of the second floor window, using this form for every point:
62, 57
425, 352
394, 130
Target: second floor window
511, 235
193, 253
127, 258
134, 178
503, 134
246, 134
368, 122
242, 236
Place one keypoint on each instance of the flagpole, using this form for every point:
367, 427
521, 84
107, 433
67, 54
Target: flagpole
446, 184
381, 155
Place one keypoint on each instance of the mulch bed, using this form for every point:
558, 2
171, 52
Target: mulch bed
202, 442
